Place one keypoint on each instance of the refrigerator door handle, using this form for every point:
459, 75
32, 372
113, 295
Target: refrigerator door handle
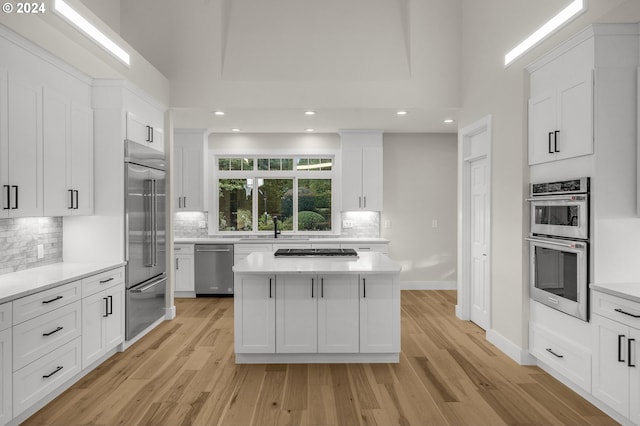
148, 223
143, 289
155, 221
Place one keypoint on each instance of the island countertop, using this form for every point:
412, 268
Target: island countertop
366, 262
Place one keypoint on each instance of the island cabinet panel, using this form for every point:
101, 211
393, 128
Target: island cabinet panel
338, 314
296, 314
255, 308
379, 314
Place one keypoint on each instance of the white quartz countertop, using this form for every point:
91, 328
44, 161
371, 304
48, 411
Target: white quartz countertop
280, 240
629, 291
23, 283
266, 262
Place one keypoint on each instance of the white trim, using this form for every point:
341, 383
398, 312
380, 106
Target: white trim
317, 358
428, 285
170, 313
513, 351
465, 157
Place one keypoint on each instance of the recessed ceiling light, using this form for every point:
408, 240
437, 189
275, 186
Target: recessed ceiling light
309, 130
309, 113
218, 112
235, 129
401, 113
547, 28
448, 120
63, 9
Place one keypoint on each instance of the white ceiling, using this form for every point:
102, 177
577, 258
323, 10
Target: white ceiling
354, 62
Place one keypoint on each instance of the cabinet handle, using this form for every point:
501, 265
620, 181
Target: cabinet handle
15, 188
152, 135
52, 332
70, 206
359, 202
270, 279
630, 344
322, 287
177, 263
110, 306
549, 144
364, 203
312, 288
106, 307
553, 353
77, 197
184, 202
106, 281
52, 300
53, 372
620, 338
364, 288
555, 141
8, 188
626, 313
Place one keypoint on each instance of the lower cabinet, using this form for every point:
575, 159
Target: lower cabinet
379, 315
255, 312
338, 314
185, 269
6, 376
296, 314
102, 323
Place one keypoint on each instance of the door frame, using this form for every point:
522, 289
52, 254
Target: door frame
467, 153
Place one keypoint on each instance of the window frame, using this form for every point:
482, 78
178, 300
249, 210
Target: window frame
256, 174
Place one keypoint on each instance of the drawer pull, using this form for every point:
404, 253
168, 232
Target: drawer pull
629, 346
554, 354
626, 313
52, 300
52, 332
53, 372
106, 281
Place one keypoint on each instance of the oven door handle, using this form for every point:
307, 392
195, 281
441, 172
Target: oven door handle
568, 198
556, 243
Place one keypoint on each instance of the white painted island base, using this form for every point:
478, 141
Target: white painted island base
314, 310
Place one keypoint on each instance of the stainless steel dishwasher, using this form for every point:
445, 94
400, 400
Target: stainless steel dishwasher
213, 263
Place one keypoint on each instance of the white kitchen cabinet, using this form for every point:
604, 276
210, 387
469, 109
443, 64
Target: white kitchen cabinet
561, 119
254, 313
189, 157
102, 323
68, 156
338, 314
362, 164
146, 127
6, 377
379, 314
185, 269
21, 156
296, 313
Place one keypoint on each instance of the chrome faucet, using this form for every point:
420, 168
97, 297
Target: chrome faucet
275, 227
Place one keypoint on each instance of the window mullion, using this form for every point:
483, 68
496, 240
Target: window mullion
295, 204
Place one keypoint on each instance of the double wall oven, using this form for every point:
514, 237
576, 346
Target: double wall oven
559, 245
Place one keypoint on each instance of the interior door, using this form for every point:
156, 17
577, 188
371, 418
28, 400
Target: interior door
138, 225
479, 275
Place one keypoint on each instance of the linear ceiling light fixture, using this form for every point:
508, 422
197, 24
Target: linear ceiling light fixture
574, 9
66, 11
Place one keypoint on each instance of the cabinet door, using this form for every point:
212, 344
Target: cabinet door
634, 376
113, 323
338, 314
542, 124
185, 273
352, 179
610, 379
372, 178
6, 378
379, 314
156, 139
80, 159
296, 314
58, 198
94, 309
254, 312
137, 129
192, 178
575, 118
179, 181
24, 148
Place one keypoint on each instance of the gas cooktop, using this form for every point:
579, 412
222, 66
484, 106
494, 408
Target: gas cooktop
315, 252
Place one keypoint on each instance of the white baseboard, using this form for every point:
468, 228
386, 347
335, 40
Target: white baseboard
513, 351
428, 285
170, 313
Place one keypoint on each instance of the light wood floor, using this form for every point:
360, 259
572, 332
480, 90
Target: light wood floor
184, 373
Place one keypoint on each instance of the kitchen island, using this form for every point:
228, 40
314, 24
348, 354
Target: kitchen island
317, 309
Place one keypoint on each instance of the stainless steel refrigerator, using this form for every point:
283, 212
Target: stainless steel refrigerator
145, 210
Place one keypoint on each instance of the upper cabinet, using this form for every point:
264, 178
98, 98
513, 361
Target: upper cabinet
20, 145
361, 170
68, 156
145, 123
189, 164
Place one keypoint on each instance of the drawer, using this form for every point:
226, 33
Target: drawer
380, 248
616, 308
250, 248
563, 355
95, 283
6, 315
45, 301
39, 336
43, 376
183, 249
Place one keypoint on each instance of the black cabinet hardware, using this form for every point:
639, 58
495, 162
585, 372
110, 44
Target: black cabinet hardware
270, 288
106, 307
554, 354
629, 345
53, 372
620, 338
52, 300
626, 313
77, 198
52, 332
70, 205
312, 288
8, 188
322, 287
110, 306
15, 188
106, 281
364, 288
550, 150
555, 141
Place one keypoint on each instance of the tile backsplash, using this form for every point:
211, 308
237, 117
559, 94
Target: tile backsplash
191, 225
19, 240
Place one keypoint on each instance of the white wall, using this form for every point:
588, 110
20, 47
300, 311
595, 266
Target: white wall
420, 184
490, 29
